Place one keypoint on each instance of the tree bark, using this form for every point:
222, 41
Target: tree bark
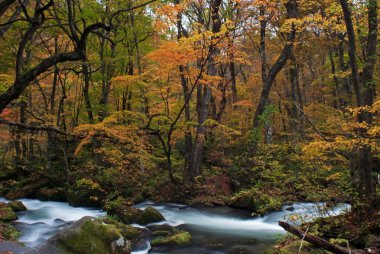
23, 79
364, 93
204, 97
318, 242
292, 12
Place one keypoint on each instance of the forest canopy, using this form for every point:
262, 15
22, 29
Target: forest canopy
207, 101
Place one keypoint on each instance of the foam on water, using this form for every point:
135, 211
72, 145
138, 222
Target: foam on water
48, 212
143, 251
44, 218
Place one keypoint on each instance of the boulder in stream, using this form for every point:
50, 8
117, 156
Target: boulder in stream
122, 209
6, 213
150, 215
86, 192
257, 202
17, 206
181, 238
87, 236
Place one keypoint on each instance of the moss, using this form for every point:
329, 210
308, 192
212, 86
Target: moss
291, 245
264, 204
129, 215
122, 209
6, 213
91, 237
8, 232
127, 231
241, 199
306, 248
257, 202
17, 206
86, 193
150, 215
178, 239
161, 233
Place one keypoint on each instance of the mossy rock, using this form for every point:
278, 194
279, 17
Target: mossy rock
122, 209
150, 215
241, 200
257, 202
8, 232
6, 213
127, 231
179, 239
17, 206
90, 236
86, 192
291, 246
129, 215
264, 204
306, 248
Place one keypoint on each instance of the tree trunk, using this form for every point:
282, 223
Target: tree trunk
86, 95
319, 242
364, 94
292, 12
204, 97
186, 95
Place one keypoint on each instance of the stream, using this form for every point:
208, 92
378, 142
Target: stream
214, 230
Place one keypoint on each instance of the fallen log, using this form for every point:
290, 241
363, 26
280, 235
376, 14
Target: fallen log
321, 243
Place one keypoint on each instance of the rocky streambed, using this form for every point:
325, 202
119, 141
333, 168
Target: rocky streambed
50, 227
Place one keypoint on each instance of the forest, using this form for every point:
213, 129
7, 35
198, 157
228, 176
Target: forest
189, 126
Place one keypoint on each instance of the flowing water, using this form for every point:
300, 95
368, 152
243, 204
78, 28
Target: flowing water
214, 230
218, 230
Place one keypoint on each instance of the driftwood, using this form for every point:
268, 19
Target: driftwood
319, 242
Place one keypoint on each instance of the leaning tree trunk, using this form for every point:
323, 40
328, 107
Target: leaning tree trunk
319, 242
292, 12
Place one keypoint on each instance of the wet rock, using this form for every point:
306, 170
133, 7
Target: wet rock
290, 208
127, 231
128, 215
6, 213
17, 206
150, 215
122, 209
88, 235
257, 202
179, 239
